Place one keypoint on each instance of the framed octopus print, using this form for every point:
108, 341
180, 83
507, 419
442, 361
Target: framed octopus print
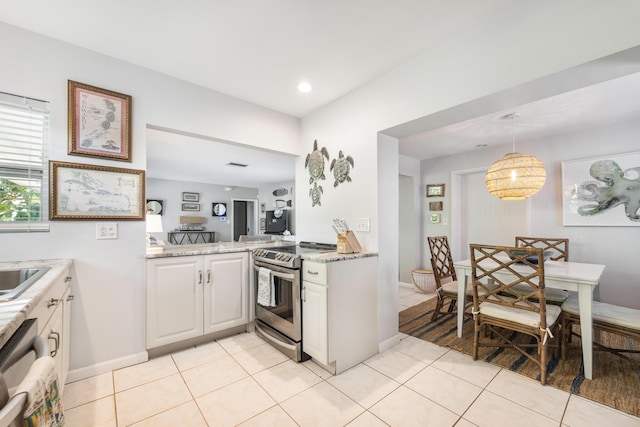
99, 122
602, 191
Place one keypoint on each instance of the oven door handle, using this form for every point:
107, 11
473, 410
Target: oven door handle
278, 274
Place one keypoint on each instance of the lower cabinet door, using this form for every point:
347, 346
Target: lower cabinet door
53, 334
226, 291
314, 321
174, 299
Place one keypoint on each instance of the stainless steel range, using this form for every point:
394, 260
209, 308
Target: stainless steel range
280, 323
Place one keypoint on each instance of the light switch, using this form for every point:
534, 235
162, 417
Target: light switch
363, 224
106, 230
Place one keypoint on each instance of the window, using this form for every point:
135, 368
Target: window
24, 130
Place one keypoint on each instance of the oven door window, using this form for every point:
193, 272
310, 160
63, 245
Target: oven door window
286, 314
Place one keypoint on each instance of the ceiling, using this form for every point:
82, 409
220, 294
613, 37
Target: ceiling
259, 51
171, 156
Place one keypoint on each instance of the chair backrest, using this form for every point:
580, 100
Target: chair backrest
560, 247
496, 269
441, 260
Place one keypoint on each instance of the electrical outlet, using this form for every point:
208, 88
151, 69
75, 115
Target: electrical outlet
106, 230
363, 224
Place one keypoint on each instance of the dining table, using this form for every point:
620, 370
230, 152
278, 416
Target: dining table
571, 276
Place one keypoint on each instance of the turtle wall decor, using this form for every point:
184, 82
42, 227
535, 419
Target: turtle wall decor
315, 193
341, 168
315, 162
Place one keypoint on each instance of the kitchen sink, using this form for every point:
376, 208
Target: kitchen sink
15, 281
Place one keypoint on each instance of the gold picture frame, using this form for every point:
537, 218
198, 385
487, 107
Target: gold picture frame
99, 122
435, 190
88, 192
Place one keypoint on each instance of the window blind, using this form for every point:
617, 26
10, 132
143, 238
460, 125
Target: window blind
24, 130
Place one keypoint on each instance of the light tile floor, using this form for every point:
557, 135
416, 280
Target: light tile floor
242, 380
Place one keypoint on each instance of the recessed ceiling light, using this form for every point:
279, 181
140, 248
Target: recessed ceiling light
304, 87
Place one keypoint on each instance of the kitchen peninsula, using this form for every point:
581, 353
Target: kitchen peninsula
197, 293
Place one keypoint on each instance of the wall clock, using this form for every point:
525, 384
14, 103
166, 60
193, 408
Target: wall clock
219, 209
154, 207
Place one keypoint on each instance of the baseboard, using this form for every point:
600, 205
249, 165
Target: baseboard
111, 365
387, 344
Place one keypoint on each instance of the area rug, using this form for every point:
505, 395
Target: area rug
616, 381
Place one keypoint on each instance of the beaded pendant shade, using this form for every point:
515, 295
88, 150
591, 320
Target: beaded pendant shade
515, 176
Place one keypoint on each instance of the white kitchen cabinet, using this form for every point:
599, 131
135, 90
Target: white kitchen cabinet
340, 312
314, 321
190, 296
54, 324
174, 299
226, 292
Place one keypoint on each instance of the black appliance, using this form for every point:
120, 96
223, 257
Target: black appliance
276, 223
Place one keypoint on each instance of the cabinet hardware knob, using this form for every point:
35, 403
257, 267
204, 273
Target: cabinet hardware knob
67, 279
313, 273
199, 277
71, 297
53, 302
208, 276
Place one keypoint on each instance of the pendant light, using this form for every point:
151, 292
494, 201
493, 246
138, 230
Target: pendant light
515, 176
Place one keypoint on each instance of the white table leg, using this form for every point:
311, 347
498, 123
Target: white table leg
462, 290
585, 302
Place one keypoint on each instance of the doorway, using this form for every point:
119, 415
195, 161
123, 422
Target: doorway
497, 223
244, 217
408, 231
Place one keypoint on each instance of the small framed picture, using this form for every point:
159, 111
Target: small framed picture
191, 206
435, 190
190, 197
99, 122
435, 206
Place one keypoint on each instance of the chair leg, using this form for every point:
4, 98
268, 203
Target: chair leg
436, 311
543, 362
476, 339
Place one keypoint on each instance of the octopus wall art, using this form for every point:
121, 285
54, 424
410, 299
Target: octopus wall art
609, 185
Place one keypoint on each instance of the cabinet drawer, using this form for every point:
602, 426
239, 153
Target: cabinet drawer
49, 302
314, 272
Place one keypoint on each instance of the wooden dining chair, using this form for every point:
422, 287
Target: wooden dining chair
559, 248
500, 308
445, 276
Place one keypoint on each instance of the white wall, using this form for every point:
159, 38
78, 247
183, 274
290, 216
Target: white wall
107, 330
615, 247
170, 192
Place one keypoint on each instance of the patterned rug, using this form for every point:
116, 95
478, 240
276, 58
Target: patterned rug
616, 381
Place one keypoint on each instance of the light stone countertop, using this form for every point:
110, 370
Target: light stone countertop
14, 312
327, 257
226, 247
212, 248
